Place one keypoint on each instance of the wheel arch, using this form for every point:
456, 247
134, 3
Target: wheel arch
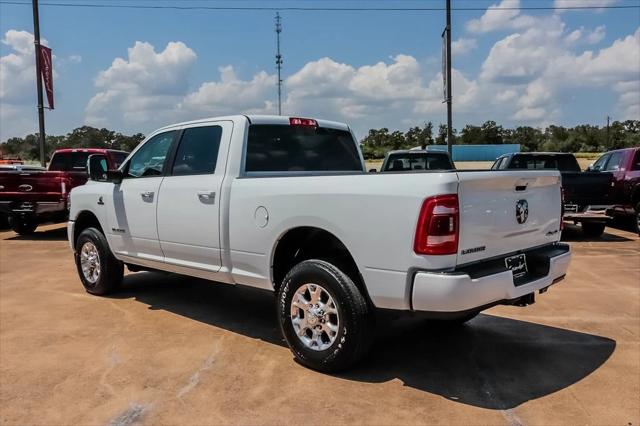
309, 242
85, 219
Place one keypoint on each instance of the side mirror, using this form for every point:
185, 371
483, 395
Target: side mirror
97, 167
373, 171
589, 168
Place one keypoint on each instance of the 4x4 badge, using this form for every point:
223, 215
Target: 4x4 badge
522, 211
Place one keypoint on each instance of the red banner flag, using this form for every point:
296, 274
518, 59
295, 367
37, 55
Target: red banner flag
46, 70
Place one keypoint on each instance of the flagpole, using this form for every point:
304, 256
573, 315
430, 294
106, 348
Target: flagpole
449, 94
36, 34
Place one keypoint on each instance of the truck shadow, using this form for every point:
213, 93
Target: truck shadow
573, 233
492, 362
55, 234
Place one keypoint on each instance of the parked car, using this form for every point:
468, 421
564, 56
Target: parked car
416, 160
624, 165
587, 195
30, 196
285, 204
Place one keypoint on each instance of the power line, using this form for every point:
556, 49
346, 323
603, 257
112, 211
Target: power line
316, 9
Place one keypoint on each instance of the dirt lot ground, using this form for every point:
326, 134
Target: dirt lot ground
176, 350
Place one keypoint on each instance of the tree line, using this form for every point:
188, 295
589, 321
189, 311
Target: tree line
27, 148
581, 138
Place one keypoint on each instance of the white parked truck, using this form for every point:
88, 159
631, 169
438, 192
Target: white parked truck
285, 204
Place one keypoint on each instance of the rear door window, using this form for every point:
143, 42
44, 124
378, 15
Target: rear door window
198, 151
284, 148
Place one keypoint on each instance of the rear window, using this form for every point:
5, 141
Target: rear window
417, 161
564, 163
69, 162
284, 148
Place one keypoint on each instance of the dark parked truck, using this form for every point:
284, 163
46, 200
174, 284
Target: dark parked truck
588, 195
416, 160
624, 165
30, 197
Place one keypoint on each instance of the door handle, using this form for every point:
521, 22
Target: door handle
146, 194
207, 197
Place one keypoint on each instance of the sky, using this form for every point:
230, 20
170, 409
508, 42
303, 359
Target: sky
134, 70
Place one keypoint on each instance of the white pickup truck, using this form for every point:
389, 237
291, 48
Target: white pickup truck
285, 204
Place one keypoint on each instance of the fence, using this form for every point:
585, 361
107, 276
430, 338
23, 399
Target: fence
477, 152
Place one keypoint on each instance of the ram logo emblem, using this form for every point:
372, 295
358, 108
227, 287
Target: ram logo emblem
522, 211
25, 188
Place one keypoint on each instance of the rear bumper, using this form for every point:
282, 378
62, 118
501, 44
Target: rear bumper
459, 291
589, 213
28, 207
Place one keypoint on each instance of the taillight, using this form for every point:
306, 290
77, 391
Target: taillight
309, 122
437, 230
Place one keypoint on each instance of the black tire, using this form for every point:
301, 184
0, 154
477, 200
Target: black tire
23, 225
635, 224
356, 318
593, 229
111, 269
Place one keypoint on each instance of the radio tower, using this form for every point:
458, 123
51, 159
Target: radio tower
279, 61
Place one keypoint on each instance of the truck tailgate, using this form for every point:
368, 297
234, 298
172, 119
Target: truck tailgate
31, 186
507, 211
587, 188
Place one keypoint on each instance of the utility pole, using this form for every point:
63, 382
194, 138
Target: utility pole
449, 94
36, 34
279, 61
608, 145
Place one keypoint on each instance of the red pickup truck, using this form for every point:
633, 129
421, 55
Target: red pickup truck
29, 197
624, 164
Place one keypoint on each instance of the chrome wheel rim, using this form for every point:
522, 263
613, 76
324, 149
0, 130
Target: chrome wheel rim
90, 262
314, 317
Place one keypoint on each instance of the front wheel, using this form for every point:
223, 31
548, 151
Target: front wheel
325, 319
100, 272
636, 219
23, 225
593, 229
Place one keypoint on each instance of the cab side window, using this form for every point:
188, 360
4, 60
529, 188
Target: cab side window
615, 162
198, 151
150, 158
598, 166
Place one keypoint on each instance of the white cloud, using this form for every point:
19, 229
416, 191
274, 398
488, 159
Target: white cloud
495, 19
578, 3
463, 46
17, 85
597, 35
143, 87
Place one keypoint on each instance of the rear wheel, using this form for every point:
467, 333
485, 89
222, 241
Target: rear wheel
593, 229
100, 272
23, 225
636, 219
326, 321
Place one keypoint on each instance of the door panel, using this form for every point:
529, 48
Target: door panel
132, 219
188, 204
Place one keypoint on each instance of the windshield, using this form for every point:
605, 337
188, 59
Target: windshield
285, 148
562, 162
409, 161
